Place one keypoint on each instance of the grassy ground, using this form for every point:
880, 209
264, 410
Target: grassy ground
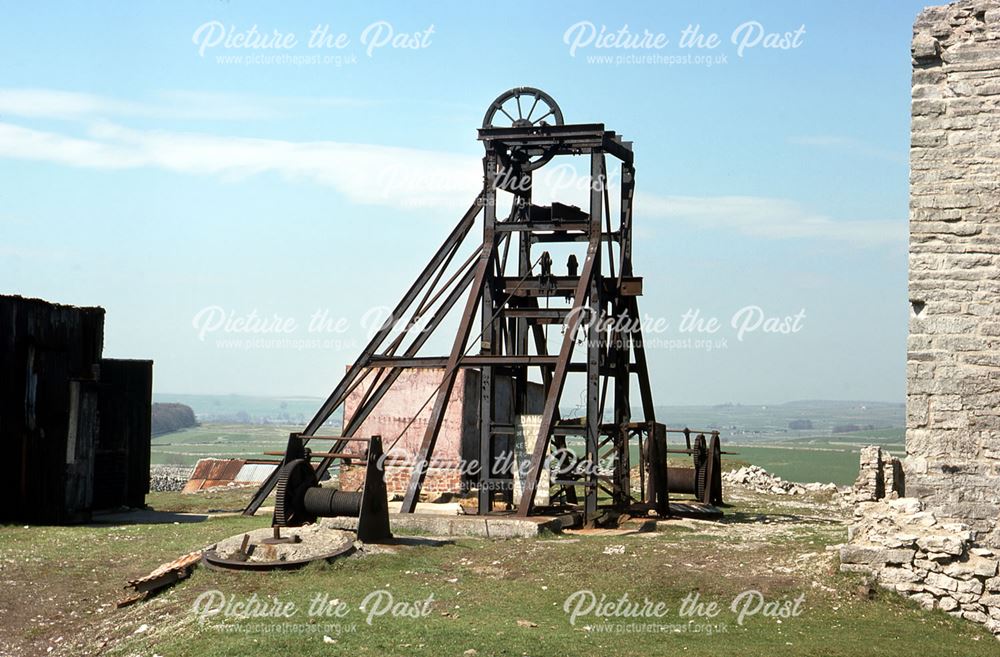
219, 441
802, 464
800, 458
828, 457
494, 597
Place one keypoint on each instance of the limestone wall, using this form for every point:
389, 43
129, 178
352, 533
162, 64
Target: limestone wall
937, 564
953, 394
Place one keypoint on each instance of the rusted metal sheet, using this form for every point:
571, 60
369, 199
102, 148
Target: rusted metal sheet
211, 473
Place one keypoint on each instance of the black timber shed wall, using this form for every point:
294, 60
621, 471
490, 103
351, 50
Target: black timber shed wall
121, 465
50, 413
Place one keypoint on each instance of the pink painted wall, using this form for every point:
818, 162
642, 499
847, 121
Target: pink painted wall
404, 400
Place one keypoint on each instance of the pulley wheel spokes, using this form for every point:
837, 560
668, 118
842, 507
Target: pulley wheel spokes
524, 107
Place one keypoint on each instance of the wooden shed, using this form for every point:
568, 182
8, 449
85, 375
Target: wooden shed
74, 428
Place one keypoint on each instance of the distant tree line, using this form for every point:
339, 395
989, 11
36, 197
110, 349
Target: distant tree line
171, 417
851, 428
796, 425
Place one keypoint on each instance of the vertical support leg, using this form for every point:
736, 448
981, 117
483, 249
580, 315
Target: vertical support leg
641, 369
486, 473
657, 441
597, 185
618, 357
593, 403
625, 229
713, 492
490, 345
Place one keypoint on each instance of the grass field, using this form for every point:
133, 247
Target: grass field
799, 464
823, 458
770, 422
491, 597
219, 441
807, 458
246, 408
760, 433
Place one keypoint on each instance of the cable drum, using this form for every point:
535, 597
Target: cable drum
300, 500
331, 502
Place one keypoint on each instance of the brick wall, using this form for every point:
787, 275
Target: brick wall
446, 478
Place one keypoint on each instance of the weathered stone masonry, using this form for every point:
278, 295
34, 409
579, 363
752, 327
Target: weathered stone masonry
940, 545
953, 394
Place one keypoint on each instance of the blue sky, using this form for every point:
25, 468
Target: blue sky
142, 175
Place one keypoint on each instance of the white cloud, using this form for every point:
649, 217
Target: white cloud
769, 218
368, 174
168, 105
364, 173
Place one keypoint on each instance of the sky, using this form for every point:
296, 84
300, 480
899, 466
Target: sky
190, 166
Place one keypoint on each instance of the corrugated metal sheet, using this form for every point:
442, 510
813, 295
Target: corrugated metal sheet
217, 469
209, 473
254, 472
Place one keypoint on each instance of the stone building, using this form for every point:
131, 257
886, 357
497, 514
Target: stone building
953, 391
935, 536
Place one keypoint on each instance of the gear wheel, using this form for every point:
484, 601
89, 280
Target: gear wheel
700, 466
294, 479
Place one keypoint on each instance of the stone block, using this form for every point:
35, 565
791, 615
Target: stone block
941, 543
975, 616
972, 567
969, 586
860, 554
942, 581
898, 576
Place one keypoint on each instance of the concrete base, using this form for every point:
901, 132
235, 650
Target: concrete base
482, 526
431, 508
429, 520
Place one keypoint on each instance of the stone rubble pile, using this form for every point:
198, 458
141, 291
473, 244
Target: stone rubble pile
164, 478
936, 563
760, 480
880, 475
